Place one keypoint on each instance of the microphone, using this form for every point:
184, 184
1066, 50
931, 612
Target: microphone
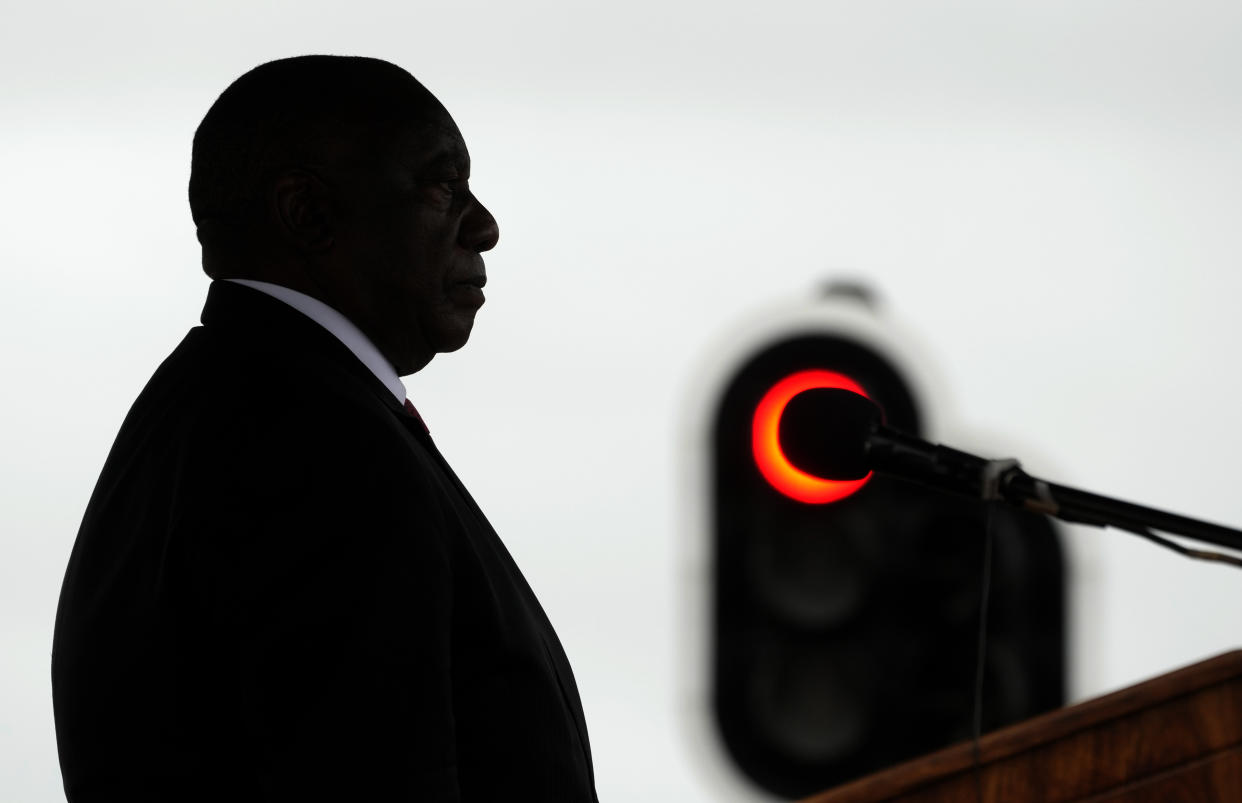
840, 435
827, 432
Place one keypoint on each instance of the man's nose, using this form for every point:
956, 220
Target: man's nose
479, 231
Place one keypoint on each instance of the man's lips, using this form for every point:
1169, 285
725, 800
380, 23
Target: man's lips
468, 292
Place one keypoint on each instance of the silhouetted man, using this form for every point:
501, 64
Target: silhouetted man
280, 590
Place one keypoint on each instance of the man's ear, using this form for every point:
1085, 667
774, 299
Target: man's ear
303, 210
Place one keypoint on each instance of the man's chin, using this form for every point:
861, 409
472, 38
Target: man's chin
453, 335
449, 336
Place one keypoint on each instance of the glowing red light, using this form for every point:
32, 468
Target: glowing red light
772, 462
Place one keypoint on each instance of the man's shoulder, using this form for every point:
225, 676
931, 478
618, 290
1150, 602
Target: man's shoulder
226, 397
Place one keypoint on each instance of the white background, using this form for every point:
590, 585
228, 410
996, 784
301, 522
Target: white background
1045, 194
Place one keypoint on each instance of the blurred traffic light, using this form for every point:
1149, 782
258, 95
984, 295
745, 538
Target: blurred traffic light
845, 615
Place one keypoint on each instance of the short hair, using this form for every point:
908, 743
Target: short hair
284, 112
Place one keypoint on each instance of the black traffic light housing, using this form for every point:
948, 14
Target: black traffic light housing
844, 633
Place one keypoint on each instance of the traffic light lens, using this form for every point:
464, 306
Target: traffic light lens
769, 456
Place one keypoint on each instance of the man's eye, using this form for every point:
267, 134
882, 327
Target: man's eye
445, 187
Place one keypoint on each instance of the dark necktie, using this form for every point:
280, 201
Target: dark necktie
409, 408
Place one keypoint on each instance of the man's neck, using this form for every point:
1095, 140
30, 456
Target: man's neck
338, 325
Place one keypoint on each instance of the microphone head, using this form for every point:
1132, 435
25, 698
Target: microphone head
824, 432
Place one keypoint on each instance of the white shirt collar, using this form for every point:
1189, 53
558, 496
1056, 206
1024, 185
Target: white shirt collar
341, 327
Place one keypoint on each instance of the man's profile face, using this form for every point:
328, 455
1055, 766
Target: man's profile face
408, 252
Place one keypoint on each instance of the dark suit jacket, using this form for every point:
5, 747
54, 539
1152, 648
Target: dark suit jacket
281, 591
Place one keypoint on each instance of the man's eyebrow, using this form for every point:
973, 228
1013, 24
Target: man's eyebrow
448, 159
439, 170
447, 163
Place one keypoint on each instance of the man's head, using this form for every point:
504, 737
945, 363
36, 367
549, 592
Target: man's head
345, 179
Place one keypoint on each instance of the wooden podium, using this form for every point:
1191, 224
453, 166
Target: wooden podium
1173, 739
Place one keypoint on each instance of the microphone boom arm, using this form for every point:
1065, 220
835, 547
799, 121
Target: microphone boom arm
1070, 504
897, 454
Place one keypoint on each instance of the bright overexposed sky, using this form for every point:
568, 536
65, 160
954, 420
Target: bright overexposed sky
1044, 193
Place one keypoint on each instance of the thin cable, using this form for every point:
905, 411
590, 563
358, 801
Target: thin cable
1053, 509
981, 653
1198, 554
